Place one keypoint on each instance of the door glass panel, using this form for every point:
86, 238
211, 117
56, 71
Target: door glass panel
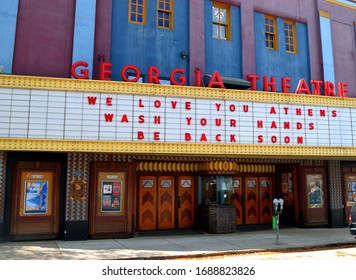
36, 193
351, 190
111, 193
315, 190
287, 188
111, 196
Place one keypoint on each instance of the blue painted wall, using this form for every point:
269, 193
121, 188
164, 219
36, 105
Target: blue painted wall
279, 63
8, 19
148, 45
327, 50
84, 26
223, 56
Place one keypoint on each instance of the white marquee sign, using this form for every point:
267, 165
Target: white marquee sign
43, 114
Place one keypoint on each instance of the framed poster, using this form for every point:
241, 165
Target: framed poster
287, 187
36, 193
315, 190
110, 193
111, 196
351, 190
35, 197
77, 189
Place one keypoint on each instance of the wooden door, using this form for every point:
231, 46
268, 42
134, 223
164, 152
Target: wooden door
237, 183
287, 188
315, 196
265, 199
349, 191
110, 208
186, 202
166, 199
148, 203
251, 199
35, 201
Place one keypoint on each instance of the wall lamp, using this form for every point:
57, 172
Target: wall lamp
184, 55
101, 57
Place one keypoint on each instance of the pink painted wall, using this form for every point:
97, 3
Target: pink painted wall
44, 38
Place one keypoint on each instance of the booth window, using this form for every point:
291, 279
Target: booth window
216, 189
271, 32
137, 11
290, 36
221, 21
165, 14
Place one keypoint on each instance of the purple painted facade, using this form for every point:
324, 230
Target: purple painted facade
44, 38
37, 46
196, 38
343, 30
102, 35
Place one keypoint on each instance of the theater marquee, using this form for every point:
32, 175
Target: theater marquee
125, 117
81, 115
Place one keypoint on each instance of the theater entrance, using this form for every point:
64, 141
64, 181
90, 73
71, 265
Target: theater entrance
166, 202
251, 195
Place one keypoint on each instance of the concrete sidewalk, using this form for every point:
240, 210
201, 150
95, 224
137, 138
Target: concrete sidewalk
179, 244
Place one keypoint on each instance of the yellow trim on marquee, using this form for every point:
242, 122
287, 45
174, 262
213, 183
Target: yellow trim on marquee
208, 150
156, 148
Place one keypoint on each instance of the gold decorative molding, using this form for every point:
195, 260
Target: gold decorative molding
77, 189
173, 149
231, 167
208, 167
167, 166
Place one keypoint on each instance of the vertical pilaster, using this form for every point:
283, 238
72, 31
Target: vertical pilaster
336, 207
196, 39
8, 20
84, 30
327, 47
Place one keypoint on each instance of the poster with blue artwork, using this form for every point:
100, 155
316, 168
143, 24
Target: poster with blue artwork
36, 193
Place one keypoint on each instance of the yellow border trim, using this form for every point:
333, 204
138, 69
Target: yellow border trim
209, 150
113, 87
324, 14
341, 4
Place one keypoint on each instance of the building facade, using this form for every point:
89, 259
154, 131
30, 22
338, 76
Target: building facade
120, 117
